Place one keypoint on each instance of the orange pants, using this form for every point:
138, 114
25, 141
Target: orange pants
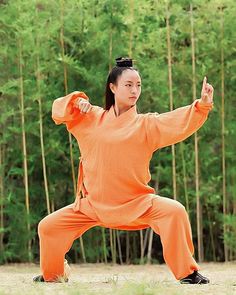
166, 217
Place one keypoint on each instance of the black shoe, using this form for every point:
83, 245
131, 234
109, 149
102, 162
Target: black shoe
195, 278
38, 279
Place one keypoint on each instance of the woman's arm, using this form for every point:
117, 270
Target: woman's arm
172, 127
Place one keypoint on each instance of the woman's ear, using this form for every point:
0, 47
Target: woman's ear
112, 87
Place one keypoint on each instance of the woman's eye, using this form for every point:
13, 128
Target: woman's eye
131, 85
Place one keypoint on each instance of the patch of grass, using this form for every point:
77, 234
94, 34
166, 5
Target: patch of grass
117, 280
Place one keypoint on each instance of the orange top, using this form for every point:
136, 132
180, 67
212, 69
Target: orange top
116, 152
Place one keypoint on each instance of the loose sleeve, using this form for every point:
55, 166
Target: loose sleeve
64, 110
174, 126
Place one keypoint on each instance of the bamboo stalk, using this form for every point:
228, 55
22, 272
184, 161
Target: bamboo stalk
119, 247
234, 214
24, 147
111, 243
43, 154
114, 245
82, 249
66, 92
38, 81
111, 231
134, 247
184, 177
144, 242
226, 251
199, 211
127, 248
52, 205
130, 55
131, 28
170, 85
149, 253
1, 197
151, 232
104, 244
76, 256
211, 233
146, 239
110, 48
141, 247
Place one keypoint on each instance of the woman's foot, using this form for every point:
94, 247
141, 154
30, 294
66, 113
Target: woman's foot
63, 279
195, 278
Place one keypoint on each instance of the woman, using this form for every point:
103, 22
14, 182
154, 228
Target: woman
116, 146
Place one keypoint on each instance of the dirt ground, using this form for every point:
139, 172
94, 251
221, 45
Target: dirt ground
88, 279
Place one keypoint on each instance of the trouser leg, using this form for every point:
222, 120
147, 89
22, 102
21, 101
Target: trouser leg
169, 219
57, 232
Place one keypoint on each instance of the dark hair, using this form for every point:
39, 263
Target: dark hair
122, 64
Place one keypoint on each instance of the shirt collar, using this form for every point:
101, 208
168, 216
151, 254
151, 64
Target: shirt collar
132, 112
111, 117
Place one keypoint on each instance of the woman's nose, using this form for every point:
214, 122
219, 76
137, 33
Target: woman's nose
134, 90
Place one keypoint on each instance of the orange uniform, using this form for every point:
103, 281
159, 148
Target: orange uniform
113, 179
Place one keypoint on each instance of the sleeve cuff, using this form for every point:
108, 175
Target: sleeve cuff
204, 107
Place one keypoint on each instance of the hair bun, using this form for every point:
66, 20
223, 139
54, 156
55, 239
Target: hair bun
124, 62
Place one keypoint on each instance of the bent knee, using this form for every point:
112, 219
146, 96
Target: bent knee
179, 208
44, 227
169, 207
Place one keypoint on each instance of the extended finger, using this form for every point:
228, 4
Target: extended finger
204, 83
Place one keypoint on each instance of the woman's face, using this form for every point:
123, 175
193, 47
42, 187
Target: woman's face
127, 88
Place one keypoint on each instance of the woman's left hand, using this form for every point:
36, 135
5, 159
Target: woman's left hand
207, 92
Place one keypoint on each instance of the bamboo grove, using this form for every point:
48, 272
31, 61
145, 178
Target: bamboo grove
51, 48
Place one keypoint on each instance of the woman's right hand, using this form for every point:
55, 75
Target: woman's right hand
83, 105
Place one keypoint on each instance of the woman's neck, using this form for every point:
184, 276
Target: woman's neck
120, 110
